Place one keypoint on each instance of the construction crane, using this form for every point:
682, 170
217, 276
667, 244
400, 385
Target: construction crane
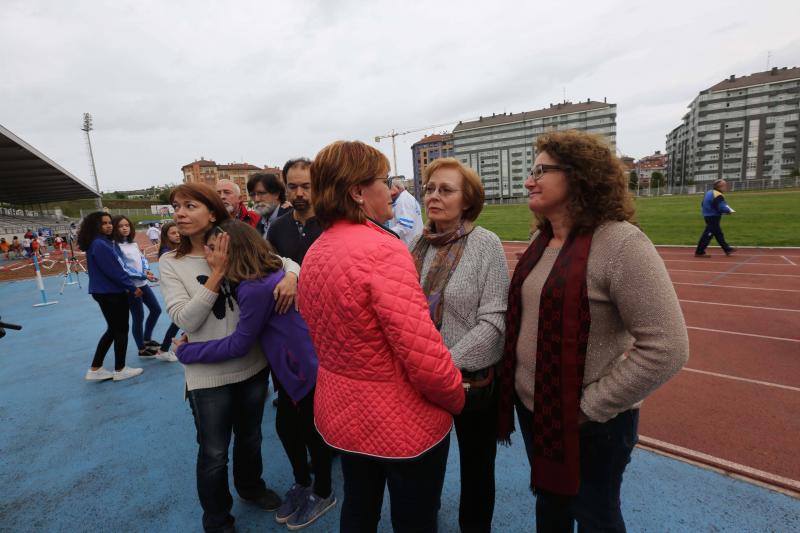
392, 134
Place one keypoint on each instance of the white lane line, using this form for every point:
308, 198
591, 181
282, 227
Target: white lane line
732, 286
789, 260
740, 305
745, 334
720, 463
733, 273
706, 262
746, 380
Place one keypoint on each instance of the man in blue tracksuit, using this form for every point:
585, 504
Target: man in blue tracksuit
713, 207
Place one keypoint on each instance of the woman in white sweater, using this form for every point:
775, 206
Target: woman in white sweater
464, 276
138, 268
226, 397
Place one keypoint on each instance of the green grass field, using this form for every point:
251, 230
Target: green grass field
761, 219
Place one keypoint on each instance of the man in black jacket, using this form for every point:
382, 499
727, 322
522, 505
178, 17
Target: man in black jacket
293, 233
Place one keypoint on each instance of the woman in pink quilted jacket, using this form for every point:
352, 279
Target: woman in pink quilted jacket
387, 386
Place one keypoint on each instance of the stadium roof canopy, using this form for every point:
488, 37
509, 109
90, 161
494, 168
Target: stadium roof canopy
27, 176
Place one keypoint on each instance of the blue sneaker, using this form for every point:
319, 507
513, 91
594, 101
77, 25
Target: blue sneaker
313, 507
294, 498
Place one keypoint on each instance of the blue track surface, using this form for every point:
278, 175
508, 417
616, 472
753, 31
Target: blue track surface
79, 456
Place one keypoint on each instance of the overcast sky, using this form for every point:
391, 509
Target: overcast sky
260, 82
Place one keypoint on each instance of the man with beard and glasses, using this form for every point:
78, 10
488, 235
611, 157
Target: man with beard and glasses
269, 199
231, 196
293, 233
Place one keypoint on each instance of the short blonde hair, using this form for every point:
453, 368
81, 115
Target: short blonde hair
472, 189
335, 170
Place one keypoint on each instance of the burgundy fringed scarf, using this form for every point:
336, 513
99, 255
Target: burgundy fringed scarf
563, 335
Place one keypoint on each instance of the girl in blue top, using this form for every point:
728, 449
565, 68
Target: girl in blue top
109, 285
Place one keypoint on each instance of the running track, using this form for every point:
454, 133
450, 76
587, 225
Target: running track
736, 404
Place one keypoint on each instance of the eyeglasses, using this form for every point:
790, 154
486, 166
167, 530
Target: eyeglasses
443, 190
538, 171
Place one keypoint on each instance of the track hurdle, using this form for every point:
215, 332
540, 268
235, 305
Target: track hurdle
40, 284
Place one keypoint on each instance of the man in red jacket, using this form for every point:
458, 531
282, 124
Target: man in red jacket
231, 196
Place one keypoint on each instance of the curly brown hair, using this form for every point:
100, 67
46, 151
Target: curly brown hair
596, 182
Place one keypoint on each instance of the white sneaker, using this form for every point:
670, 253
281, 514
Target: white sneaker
126, 372
169, 356
101, 374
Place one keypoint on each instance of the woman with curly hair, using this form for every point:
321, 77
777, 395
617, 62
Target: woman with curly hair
593, 327
110, 286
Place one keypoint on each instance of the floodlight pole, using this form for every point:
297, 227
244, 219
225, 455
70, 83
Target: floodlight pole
87, 127
393, 135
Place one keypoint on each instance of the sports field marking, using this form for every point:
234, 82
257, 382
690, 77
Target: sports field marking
741, 333
789, 260
732, 286
740, 305
726, 273
704, 262
718, 462
746, 380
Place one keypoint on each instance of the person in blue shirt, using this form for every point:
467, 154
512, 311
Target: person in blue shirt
109, 285
713, 207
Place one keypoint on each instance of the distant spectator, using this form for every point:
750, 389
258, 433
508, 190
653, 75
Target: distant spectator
42, 244
407, 221
231, 196
16, 247
713, 207
58, 242
26, 245
269, 199
28, 234
35, 244
4, 248
153, 234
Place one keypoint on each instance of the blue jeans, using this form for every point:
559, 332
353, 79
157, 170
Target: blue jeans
237, 408
415, 491
137, 315
172, 330
605, 450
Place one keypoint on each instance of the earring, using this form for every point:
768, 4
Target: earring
361, 201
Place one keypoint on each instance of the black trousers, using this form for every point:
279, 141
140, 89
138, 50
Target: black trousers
605, 451
477, 448
300, 438
237, 408
115, 310
713, 229
415, 490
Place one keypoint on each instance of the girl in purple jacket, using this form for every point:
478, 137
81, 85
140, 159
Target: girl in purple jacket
254, 271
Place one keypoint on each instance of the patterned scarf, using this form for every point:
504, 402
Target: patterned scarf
450, 248
563, 336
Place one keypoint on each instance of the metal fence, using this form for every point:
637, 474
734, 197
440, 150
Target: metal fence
733, 185
675, 190
126, 212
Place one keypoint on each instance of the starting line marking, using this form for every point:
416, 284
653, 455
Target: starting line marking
789, 260
735, 273
740, 305
732, 286
720, 463
746, 380
745, 334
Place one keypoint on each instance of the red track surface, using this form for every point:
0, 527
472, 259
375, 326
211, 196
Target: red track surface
736, 404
